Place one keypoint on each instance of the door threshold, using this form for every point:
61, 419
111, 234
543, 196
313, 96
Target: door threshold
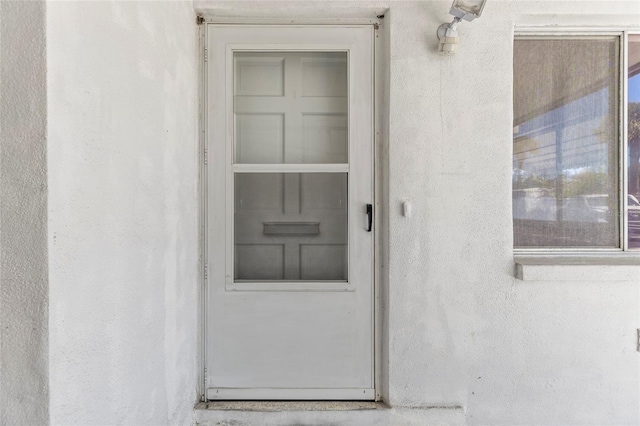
290, 405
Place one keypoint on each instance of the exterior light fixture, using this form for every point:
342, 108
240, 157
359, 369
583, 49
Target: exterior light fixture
467, 10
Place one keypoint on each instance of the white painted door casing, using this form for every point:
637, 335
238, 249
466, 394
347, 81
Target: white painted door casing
288, 339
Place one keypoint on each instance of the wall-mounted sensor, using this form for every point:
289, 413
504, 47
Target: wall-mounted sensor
407, 209
448, 33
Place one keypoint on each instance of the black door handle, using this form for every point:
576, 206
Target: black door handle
369, 216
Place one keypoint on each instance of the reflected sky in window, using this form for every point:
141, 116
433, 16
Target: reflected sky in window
634, 88
581, 129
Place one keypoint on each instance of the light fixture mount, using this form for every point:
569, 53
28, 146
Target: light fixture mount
467, 10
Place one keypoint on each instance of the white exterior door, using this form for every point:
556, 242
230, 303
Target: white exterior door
290, 295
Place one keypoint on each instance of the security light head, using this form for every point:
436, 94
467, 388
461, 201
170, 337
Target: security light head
467, 9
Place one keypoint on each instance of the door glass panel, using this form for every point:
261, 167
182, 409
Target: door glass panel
290, 107
291, 227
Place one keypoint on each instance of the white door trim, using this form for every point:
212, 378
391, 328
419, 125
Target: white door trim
307, 394
280, 393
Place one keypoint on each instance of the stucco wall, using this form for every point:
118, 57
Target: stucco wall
123, 212
24, 379
460, 329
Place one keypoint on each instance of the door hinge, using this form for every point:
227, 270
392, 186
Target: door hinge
205, 375
206, 275
206, 157
206, 54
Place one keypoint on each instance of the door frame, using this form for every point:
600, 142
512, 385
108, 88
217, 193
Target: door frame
203, 22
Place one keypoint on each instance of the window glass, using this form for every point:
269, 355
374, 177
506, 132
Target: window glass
291, 227
633, 159
565, 142
290, 107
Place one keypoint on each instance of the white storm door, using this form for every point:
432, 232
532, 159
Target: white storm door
290, 295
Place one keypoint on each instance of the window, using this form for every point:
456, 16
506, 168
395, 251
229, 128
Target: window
576, 169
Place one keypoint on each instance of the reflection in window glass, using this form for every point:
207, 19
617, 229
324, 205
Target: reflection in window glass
634, 142
565, 156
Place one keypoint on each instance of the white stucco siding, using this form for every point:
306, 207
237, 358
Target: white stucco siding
123, 215
462, 330
459, 330
24, 379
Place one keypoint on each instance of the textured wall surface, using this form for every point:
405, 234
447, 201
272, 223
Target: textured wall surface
24, 380
123, 212
460, 330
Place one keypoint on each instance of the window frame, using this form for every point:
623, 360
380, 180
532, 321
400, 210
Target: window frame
622, 33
